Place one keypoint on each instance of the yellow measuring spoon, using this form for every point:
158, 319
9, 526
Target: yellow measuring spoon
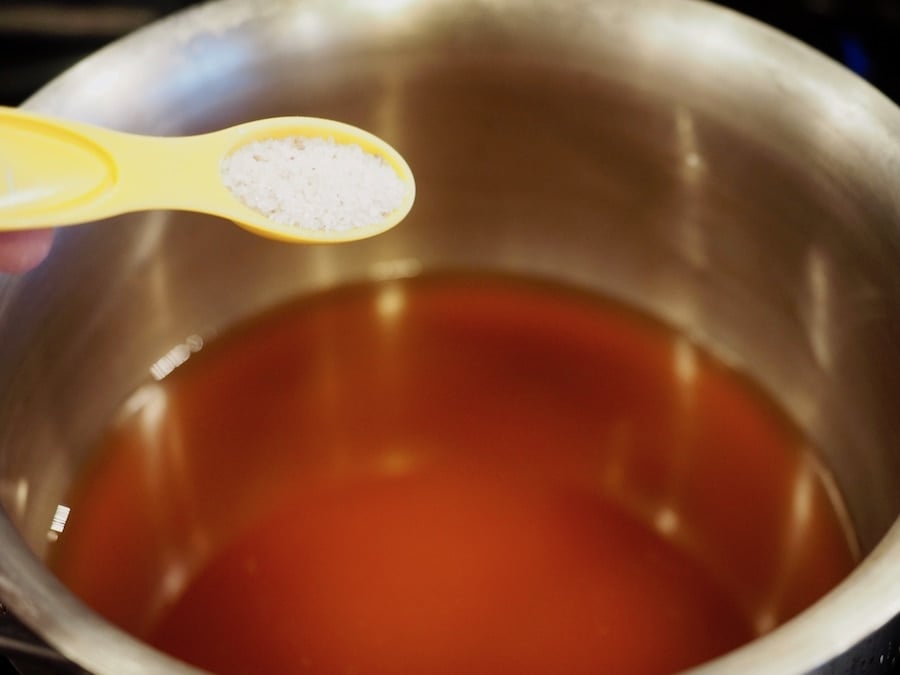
55, 172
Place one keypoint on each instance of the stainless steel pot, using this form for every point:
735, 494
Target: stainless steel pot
673, 154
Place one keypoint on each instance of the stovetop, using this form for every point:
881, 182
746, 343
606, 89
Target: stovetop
40, 39
23, 653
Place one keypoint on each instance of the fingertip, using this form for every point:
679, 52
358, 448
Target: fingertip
23, 251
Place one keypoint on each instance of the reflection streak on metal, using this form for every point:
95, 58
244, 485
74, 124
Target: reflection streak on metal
150, 402
691, 171
170, 486
793, 543
400, 268
157, 272
665, 514
818, 316
323, 268
150, 238
801, 502
21, 496
686, 132
388, 112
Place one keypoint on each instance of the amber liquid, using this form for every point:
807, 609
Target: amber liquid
452, 475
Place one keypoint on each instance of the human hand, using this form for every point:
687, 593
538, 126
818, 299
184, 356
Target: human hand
22, 251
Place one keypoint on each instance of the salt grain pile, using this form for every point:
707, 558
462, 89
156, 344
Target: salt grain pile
313, 183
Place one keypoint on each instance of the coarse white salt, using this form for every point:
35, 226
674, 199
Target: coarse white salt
313, 183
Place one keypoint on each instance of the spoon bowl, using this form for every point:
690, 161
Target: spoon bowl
56, 172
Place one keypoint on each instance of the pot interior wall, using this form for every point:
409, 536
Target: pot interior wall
542, 152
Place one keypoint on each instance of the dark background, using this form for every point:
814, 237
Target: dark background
40, 38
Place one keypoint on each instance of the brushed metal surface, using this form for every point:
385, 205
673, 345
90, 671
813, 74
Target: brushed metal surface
675, 155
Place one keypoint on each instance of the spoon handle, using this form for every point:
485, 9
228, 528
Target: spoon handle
55, 172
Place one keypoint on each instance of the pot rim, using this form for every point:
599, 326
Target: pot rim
857, 607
